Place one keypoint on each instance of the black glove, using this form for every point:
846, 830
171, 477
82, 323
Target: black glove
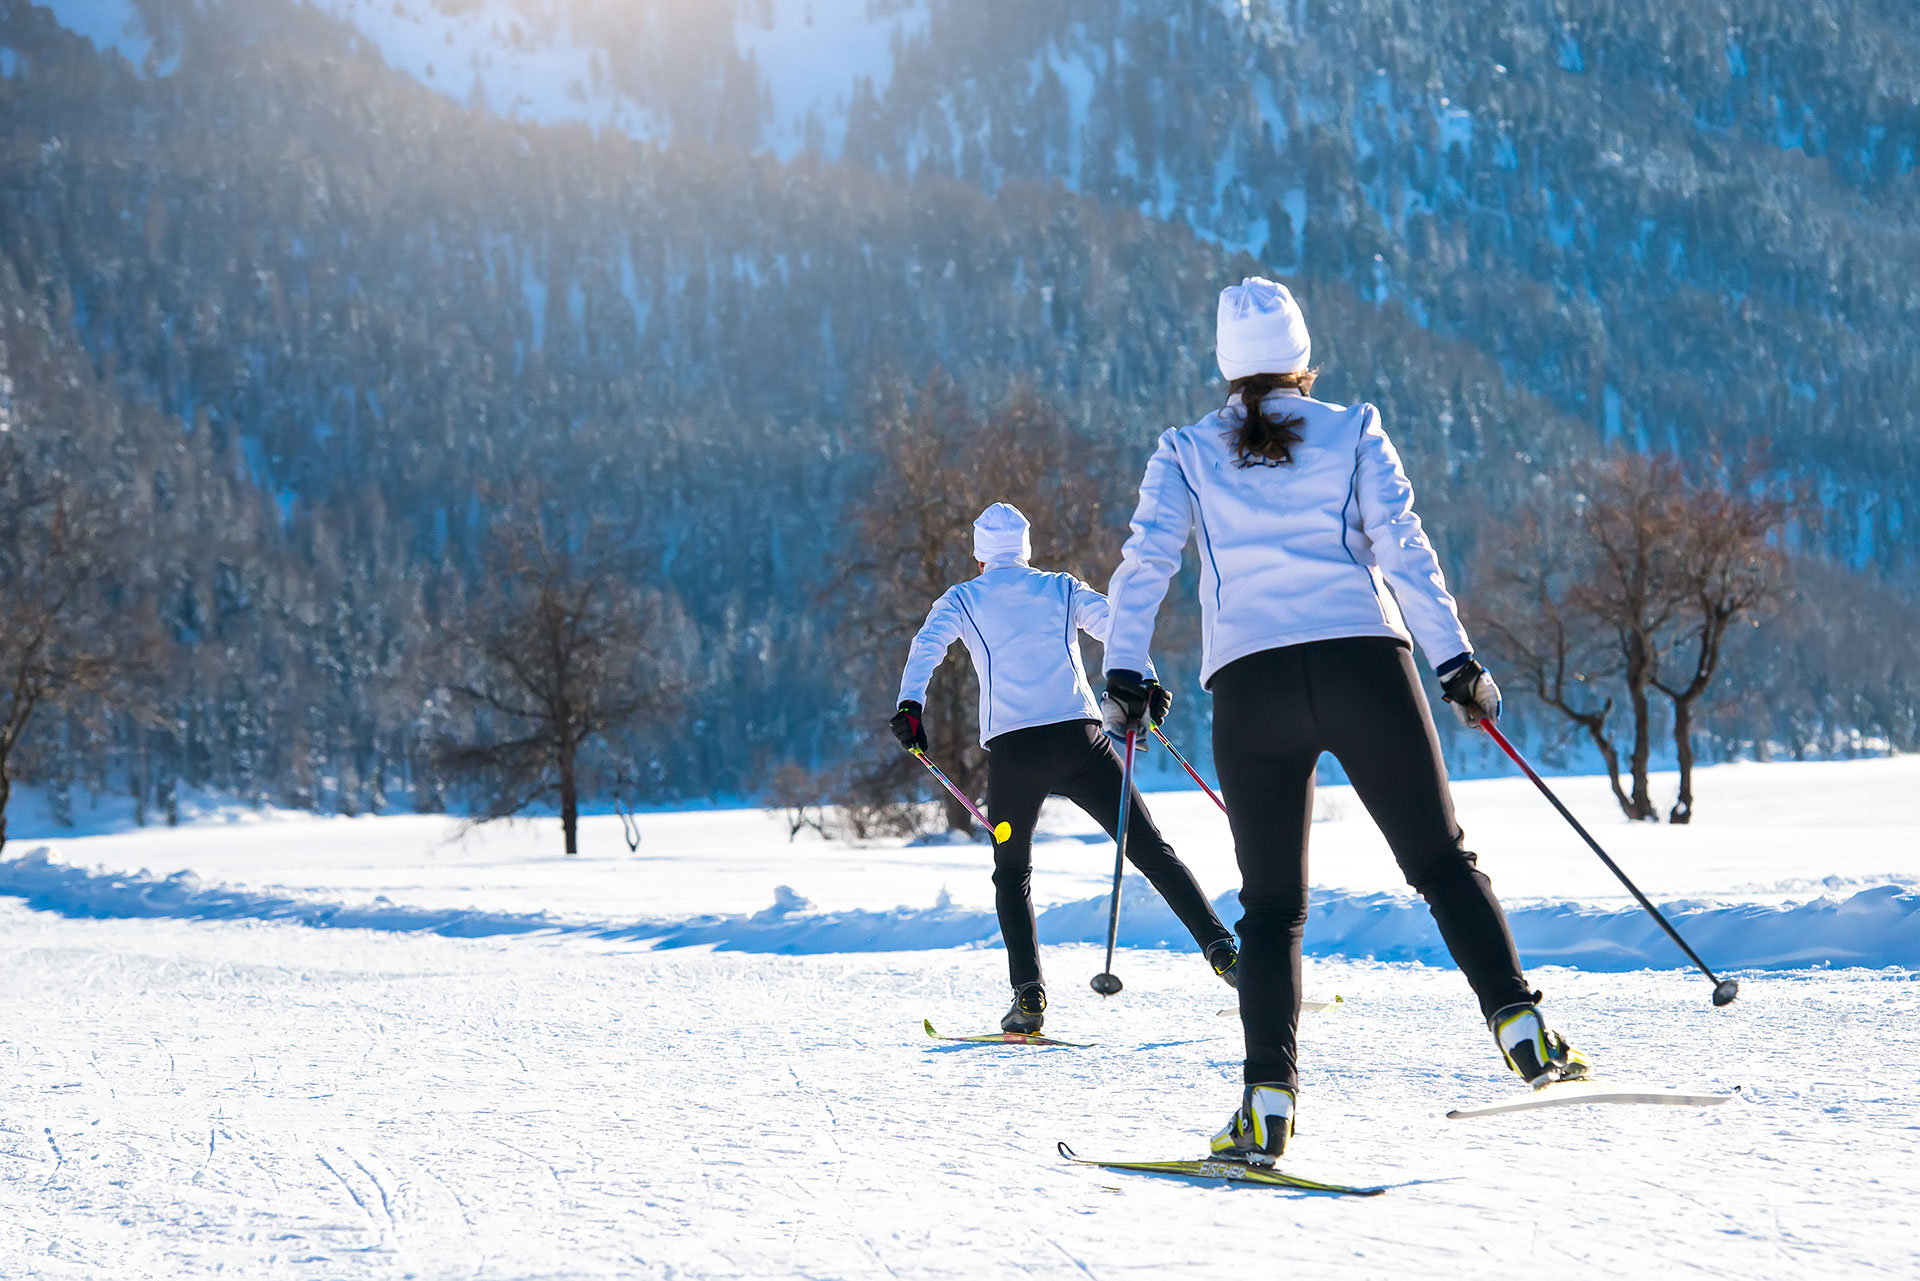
1471, 691
1125, 703
1159, 702
908, 727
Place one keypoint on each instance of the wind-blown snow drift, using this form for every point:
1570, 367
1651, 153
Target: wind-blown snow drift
1876, 928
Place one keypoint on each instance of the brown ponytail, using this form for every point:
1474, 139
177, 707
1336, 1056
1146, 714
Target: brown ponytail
1260, 441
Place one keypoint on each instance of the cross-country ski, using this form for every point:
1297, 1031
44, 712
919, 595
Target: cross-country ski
1574, 1093
1004, 1038
1226, 1171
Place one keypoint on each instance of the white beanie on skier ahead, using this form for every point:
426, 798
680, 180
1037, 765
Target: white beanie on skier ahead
1002, 533
1260, 330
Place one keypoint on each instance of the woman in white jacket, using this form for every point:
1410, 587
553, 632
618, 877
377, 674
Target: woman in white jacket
1041, 728
1304, 518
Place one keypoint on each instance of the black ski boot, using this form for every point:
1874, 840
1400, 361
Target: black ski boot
1541, 1056
1224, 957
1259, 1129
1029, 1009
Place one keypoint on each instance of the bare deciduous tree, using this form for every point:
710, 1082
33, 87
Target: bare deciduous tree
1633, 585
940, 463
69, 621
563, 650
1600, 581
1536, 619
1730, 567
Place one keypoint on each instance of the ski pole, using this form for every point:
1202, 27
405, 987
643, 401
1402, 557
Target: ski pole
1191, 771
1000, 833
1106, 982
1724, 990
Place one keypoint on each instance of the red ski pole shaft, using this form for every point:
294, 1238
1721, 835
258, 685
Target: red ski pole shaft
1191, 771
961, 796
1723, 990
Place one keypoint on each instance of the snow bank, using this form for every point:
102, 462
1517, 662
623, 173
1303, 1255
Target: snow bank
1774, 834
1876, 928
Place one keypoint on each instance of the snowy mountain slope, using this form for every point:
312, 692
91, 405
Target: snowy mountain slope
422, 292
817, 57
1630, 178
385, 299
613, 65
644, 68
502, 56
112, 25
1596, 200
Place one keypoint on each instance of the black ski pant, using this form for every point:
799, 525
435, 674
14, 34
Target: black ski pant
1359, 698
1073, 759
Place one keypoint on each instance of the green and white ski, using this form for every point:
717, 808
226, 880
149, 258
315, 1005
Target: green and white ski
1224, 1171
1004, 1038
1569, 1093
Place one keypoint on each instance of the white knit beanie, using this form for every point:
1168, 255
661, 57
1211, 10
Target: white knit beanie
1002, 532
1260, 330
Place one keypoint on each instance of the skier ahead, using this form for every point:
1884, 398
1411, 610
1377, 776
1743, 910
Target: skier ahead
1301, 508
1041, 729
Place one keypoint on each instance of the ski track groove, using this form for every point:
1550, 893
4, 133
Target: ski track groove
59, 1158
1078, 1264
359, 1201
386, 1220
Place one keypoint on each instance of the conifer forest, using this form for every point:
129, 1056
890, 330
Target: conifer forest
307, 336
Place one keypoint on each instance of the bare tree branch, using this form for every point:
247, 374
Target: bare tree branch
563, 623
940, 462
1605, 575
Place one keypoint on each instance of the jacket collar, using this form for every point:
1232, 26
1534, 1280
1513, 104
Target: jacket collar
1237, 399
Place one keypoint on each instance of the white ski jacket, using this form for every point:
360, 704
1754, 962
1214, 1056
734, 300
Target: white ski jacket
1021, 626
1288, 554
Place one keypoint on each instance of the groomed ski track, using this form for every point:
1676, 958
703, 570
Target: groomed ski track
181, 1098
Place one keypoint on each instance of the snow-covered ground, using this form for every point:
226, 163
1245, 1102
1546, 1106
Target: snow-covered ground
529, 1066
181, 1099
1789, 865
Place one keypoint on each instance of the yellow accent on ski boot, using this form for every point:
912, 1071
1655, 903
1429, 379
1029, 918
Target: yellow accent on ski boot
1541, 1056
1224, 957
1028, 1013
1258, 1131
